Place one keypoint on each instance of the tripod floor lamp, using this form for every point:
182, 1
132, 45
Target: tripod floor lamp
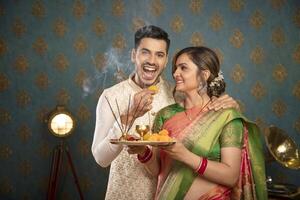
61, 124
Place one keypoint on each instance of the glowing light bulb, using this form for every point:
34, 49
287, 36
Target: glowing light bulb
281, 148
62, 123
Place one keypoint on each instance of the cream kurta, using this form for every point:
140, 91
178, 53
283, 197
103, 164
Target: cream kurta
128, 178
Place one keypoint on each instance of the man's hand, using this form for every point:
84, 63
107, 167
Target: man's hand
142, 103
136, 149
224, 101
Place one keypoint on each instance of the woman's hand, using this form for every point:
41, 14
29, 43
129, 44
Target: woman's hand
176, 151
179, 152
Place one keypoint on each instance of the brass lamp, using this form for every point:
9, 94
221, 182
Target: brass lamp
61, 123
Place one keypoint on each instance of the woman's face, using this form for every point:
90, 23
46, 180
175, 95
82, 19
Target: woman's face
186, 74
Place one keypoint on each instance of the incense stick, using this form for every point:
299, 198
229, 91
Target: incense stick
114, 114
119, 115
127, 114
149, 117
134, 116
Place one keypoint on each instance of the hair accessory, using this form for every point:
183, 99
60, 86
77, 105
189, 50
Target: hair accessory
146, 157
217, 79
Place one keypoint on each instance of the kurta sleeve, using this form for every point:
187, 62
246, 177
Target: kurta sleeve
105, 129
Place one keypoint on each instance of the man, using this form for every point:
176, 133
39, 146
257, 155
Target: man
128, 179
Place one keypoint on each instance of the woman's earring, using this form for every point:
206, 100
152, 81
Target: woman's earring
202, 87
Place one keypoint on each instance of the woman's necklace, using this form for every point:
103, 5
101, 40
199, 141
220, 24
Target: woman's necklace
186, 114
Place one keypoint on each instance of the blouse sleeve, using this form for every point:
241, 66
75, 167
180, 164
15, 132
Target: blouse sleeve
232, 134
158, 123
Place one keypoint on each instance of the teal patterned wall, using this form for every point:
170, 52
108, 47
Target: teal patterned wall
66, 52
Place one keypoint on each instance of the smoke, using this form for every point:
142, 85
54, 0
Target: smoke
117, 68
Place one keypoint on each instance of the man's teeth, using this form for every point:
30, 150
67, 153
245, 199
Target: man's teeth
149, 69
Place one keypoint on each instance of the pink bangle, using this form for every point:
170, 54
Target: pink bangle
146, 157
198, 166
201, 169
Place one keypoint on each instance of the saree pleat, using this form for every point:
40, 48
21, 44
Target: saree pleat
217, 193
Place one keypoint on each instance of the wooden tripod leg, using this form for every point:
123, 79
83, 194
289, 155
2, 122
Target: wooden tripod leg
74, 173
54, 174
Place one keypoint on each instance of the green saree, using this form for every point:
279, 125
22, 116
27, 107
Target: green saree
200, 137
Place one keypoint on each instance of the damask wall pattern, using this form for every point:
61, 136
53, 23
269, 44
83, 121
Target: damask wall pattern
66, 52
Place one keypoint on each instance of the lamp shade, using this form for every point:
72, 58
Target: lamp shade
61, 123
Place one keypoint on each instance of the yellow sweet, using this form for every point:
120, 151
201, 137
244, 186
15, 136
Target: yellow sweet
153, 137
162, 136
164, 132
153, 88
147, 136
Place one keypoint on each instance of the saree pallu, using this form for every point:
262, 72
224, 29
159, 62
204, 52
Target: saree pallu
199, 137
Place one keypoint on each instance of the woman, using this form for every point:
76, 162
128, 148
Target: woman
210, 159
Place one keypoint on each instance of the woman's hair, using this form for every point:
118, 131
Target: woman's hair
205, 59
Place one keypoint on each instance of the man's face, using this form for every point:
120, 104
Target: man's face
150, 58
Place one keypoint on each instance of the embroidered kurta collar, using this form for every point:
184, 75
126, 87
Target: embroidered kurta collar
137, 87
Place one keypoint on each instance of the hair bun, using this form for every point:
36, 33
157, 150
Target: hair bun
217, 86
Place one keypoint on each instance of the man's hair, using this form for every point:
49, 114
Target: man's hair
151, 32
